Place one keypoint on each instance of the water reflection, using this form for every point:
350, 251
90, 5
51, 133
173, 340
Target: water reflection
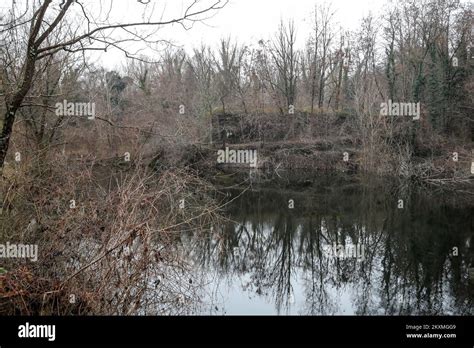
273, 259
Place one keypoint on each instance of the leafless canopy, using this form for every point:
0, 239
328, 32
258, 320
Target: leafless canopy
41, 29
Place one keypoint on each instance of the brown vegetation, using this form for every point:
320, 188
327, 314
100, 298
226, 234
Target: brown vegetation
158, 125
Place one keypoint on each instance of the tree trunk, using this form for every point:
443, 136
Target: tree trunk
8, 121
15, 102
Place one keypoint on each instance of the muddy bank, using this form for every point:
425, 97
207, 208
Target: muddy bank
296, 163
340, 154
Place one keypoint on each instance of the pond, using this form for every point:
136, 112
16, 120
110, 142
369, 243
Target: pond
359, 246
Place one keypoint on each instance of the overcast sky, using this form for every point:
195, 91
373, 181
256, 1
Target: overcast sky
245, 20
256, 19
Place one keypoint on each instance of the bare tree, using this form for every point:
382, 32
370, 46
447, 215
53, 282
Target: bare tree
285, 57
48, 30
318, 52
228, 63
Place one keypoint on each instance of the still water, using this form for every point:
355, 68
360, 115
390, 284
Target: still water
286, 250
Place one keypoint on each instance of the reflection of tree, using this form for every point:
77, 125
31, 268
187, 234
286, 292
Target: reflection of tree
407, 268
421, 270
281, 264
310, 250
